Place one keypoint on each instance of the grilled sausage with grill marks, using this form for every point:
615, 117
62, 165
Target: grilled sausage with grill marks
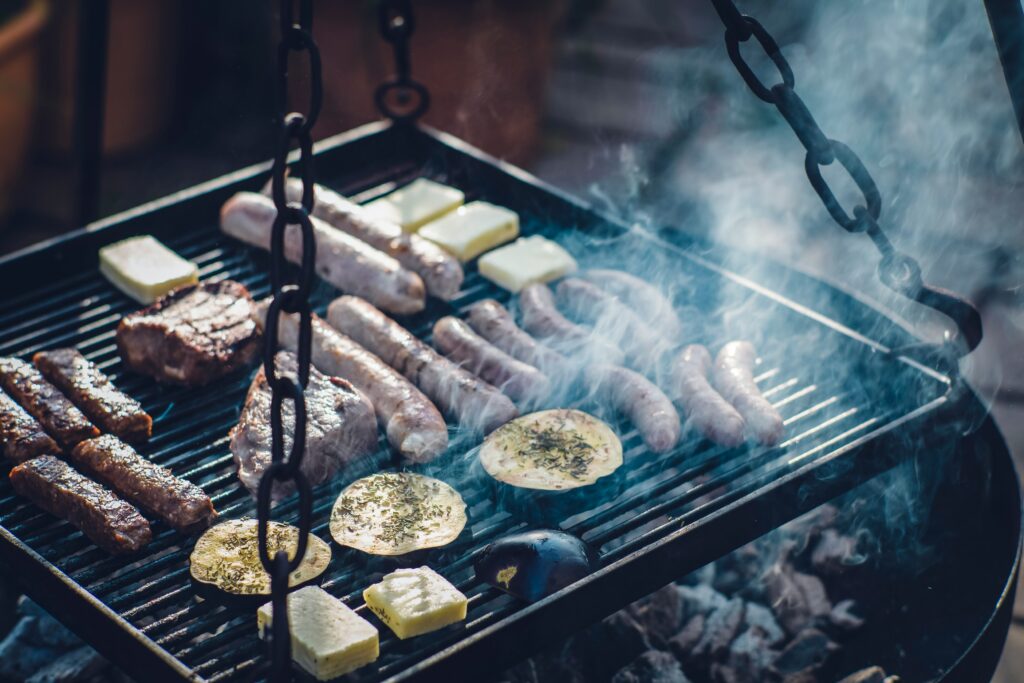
646, 406
53, 485
734, 378
349, 264
493, 322
178, 502
476, 404
414, 427
43, 401
458, 341
441, 272
706, 410
94, 393
541, 318
645, 299
21, 436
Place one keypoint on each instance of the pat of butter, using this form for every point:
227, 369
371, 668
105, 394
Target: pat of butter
415, 601
416, 204
145, 269
328, 638
526, 261
472, 229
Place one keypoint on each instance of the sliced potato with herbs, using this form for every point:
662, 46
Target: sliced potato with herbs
394, 513
552, 450
227, 557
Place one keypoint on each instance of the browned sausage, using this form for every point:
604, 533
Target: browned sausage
734, 378
541, 318
646, 406
349, 264
493, 322
642, 297
475, 403
518, 380
705, 408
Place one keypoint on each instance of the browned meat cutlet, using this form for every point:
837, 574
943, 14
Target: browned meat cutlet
21, 436
193, 335
55, 486
43, 401
180, 503
94, 393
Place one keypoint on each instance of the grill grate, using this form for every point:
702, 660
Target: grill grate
826, 415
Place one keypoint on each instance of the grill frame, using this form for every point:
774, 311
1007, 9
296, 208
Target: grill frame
612, 587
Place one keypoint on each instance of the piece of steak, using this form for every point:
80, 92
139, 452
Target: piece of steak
43, 401
55, 486
94, 393
21, 436
340, 427
193, 335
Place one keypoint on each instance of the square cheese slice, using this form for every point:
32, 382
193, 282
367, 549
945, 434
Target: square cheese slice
144, 269
328, 638
416, 204
415, 601
470, 230
526, 261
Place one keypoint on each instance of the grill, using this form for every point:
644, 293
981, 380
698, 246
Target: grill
848, 401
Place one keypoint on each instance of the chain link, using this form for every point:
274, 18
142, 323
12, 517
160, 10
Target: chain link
291, 289
401, 99
896, 270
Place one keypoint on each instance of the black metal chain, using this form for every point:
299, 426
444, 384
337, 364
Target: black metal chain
289, 296
402, 99
898, 271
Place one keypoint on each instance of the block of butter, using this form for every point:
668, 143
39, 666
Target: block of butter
416, 204
328, 638
526, 261
415, 601
145, 269
470, 230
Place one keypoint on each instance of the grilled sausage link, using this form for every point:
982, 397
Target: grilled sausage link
493, 322
21, 436
734, 378
458, 341
43, 401
56, 487
414, 427
345, 262
94, 393
178, 502
441, 272
645, 299
706, 410
542, 318
476, 404
636, 397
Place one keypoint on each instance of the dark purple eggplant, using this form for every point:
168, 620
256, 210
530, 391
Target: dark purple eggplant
535, 564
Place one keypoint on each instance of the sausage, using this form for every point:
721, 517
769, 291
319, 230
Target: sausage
53, 485
413, 425
542, 318
475, 403
642, 297
639, 399
493, 322
343, 261
94, 393
518, 380
21, 436
441, 272
705, 408
112, 462
734, 378
43, 401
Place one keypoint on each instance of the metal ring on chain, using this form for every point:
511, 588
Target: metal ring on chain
293, 128
280, 638
770, 47
860, 175
270, 331
286, 389
263, 499
396, 20
800, 119
278, 264
298, 39
403, 92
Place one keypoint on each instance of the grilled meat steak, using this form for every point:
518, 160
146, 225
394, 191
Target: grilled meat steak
94, 393
43, 401
55, 486
340, 427
193, 335
21, 436
180, 503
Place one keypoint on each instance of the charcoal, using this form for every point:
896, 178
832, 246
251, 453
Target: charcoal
78, 665
805, 655
814, 594
700, 599
760, 618
725, 673
721, 628
750, 657
682, 643
661, 615
873, 674
835, 554
609, 645
797, 598
843, 618
652, 666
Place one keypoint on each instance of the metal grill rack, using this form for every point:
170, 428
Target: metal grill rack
678, 512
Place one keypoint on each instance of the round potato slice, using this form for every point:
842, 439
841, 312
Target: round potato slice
394, 513
552, 450
227, 557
